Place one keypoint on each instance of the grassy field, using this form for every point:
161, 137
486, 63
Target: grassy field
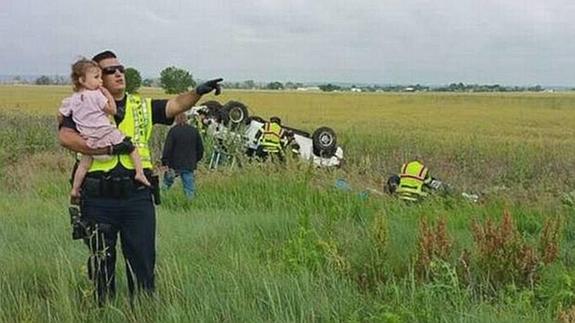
269, 244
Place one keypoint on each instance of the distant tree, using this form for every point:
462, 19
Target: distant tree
329, 87
133, 80
43, 80
536, 88
232, 85
147, 82
60, 80
275, 86
175, 80
249, 85
18, 80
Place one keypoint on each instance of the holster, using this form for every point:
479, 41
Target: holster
155, 181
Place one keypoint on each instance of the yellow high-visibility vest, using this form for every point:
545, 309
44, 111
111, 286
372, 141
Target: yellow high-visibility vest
271, 137
137, 124
413, 175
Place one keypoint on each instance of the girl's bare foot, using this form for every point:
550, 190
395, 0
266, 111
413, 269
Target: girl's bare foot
142, 179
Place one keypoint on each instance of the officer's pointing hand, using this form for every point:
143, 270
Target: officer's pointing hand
210, 86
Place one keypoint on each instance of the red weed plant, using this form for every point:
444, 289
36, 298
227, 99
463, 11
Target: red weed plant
502, 256
549, 240
433, 243
497, 249
567, 316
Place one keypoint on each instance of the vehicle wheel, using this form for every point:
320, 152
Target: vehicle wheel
216, 112
212, 106
392, 184
324, 142
223, 117
237, 112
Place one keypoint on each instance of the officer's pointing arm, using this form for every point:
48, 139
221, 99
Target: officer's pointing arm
185, 101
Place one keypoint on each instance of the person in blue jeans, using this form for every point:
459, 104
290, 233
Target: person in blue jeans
183, 150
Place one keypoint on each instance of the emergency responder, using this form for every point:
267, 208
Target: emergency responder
270, 140
111, 202
413, 182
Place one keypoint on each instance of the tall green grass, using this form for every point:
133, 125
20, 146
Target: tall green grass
303, 252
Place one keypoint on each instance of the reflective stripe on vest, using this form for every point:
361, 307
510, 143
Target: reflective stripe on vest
271, 137
411, 181
137, 124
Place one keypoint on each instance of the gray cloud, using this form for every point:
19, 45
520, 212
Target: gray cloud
385, 41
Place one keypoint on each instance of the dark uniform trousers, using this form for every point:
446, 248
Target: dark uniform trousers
131, 214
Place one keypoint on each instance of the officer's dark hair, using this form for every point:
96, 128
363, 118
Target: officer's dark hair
276, 120
103, 55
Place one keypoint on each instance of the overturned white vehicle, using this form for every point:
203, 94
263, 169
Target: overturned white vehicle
232, 120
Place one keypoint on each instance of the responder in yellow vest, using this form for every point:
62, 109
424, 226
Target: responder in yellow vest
270, 140
112, 202
413, 182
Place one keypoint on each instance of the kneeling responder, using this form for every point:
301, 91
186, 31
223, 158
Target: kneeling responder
413, 181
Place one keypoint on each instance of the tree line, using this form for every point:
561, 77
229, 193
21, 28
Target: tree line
453, 87
176, 80
172, 79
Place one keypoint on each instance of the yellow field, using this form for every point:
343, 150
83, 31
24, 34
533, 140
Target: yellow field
517, 116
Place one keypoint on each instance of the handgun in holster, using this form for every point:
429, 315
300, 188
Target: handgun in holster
155, 181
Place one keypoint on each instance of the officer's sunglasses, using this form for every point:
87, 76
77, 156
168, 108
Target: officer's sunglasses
109, 70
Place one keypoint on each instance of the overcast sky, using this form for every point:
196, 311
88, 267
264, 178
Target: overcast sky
369, 41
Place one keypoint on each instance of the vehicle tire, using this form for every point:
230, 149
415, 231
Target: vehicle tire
212, 106
324, 142
237, 112
217, 112
392, 184
223, 117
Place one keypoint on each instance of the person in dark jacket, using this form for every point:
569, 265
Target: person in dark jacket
182, 151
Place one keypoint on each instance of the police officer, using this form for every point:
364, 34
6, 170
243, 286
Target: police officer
270, 140
112, 203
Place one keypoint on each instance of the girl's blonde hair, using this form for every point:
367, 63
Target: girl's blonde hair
79, 69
